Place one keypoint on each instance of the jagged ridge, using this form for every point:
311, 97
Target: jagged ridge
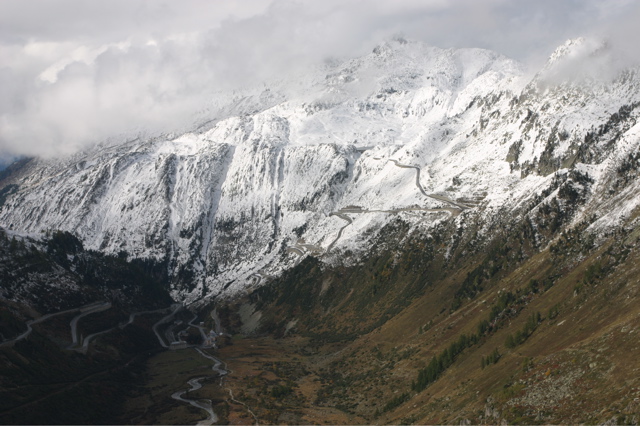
223, 204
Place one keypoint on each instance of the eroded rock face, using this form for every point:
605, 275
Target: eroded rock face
221, 206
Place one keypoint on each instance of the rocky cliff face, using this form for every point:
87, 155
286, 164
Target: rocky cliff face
289, 170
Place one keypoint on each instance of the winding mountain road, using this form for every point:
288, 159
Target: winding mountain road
87, 340
223, 372
82, 345
419, 185
417, 169
296, 250
37, 321
176, 307
195, 383
301, 249
204, 404
341, 230
87, 310
261, 276
133, 315
203, 333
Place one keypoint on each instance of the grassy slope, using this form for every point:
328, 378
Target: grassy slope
364, 348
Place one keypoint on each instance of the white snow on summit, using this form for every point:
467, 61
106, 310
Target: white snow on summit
277, 172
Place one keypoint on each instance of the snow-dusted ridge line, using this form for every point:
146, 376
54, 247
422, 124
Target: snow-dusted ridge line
225, 205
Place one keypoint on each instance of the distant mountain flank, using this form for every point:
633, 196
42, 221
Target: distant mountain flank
415, 236
259, 186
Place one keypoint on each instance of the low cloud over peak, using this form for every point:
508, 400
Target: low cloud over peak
74, 73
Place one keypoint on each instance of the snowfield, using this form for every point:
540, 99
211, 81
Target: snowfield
222, 204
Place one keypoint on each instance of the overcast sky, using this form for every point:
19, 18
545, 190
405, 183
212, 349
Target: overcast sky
74, 72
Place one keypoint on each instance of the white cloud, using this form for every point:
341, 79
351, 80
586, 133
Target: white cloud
75, 72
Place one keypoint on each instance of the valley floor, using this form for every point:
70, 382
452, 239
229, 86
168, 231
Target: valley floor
574, 384
280, 382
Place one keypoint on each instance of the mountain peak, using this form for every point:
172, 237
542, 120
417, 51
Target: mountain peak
579, 58
224, 202
569, 48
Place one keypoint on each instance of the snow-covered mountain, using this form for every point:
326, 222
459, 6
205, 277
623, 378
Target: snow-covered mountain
318, 166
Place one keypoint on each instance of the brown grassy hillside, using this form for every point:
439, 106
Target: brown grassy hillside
552, 338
